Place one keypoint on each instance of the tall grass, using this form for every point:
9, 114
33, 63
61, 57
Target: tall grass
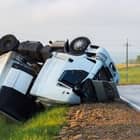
43, 126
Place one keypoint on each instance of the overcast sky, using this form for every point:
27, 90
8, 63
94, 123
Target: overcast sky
107, 23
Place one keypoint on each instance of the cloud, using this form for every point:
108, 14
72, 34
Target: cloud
58, 9
98, 11
95, 12
101, 20
7, 3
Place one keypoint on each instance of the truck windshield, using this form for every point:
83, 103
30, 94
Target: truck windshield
72, 77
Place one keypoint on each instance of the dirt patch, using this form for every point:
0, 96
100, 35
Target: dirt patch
112, 121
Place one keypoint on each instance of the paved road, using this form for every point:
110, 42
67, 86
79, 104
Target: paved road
131, 94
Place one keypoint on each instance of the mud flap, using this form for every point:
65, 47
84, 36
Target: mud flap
98, 91
17, 106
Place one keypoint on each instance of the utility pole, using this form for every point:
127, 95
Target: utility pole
127, 45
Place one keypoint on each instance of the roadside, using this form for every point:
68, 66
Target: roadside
107, 121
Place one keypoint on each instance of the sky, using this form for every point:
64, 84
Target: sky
108, 23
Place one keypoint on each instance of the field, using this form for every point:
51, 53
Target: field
47, 125
133, 74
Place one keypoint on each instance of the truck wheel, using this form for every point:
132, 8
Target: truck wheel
79, 45
8, 43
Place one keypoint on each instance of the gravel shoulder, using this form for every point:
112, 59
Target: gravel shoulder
102, 121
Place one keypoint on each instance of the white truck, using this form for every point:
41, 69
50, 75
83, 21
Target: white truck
33, 75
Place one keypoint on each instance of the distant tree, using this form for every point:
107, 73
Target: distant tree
138, 59
135, 61
132, 61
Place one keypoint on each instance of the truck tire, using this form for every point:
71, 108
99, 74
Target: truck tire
8, 43
79, 45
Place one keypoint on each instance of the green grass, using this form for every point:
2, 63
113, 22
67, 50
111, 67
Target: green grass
43, 126
133, 75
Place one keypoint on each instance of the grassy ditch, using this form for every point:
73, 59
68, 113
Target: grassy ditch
43, 126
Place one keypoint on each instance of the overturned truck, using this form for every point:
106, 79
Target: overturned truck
33, 75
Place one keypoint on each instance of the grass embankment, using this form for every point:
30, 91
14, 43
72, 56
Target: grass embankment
133, 74
43, 126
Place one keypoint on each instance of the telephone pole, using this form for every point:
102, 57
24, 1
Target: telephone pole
127, 45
